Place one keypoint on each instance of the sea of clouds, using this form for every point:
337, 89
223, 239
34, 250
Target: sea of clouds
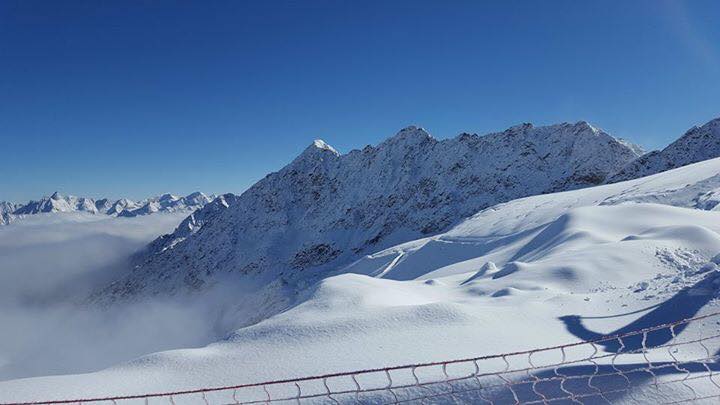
48, 266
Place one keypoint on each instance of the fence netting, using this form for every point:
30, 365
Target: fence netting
671, 363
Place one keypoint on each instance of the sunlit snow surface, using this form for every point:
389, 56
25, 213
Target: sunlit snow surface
498, 282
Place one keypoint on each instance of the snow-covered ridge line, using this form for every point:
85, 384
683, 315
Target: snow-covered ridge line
325, 209
120, 208
697, 144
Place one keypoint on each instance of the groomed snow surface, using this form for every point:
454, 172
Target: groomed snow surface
515, 276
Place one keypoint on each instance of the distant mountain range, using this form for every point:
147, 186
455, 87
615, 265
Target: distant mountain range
121, 208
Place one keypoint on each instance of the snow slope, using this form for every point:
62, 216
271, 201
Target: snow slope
516, 275
697, 144
695, 186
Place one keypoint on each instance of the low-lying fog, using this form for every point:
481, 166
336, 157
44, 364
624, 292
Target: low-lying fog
48, 265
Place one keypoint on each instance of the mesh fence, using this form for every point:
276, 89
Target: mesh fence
661, 364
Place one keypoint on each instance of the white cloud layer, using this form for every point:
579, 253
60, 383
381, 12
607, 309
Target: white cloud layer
49, 263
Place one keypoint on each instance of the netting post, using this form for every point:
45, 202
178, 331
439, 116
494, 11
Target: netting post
390, 384
299, 393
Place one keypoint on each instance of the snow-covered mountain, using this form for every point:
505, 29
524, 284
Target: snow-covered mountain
615, 257
619, 256
6, 211
697, 144
123, 207
166, 203
58, 203
193, 223
324, 208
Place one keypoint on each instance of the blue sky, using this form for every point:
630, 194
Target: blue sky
139, 98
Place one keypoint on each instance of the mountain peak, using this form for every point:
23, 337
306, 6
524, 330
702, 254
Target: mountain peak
196, 194
316, 151
584, 125
520, 127
413, 130
56, 196
168, 197
197, 198
320, 144
410, 134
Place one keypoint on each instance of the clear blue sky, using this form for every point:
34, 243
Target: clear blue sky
103, 98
